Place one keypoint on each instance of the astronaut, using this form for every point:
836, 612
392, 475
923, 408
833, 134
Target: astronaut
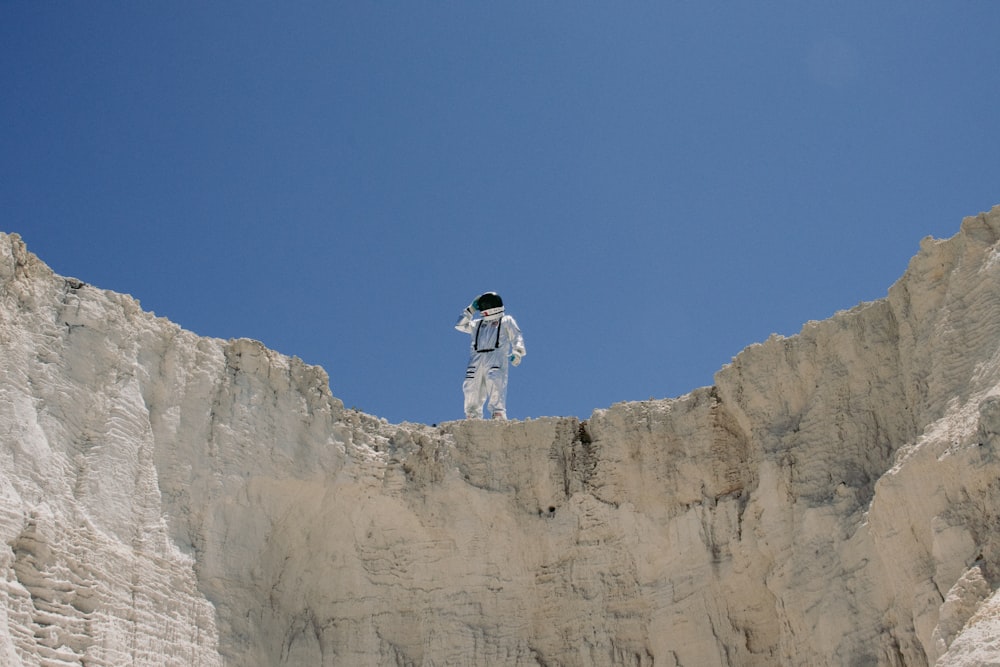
496, 342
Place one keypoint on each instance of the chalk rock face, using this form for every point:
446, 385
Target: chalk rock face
833, 499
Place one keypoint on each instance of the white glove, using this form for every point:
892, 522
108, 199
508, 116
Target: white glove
515, 359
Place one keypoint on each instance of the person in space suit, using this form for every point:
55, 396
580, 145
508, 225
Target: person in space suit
496, 342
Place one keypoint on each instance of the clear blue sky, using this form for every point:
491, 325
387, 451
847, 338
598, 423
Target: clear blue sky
651, 186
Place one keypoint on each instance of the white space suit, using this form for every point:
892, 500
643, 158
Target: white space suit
496, 342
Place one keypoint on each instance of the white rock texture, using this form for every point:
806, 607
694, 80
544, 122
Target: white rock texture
833, 499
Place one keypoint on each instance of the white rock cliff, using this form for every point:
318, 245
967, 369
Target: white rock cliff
833, 499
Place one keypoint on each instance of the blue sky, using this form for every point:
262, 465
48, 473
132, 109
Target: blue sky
651, 186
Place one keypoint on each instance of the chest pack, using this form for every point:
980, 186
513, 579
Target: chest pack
496, 344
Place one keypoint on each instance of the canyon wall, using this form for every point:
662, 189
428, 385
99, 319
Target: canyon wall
832, 499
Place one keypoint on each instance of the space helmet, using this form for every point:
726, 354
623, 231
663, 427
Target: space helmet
490, 305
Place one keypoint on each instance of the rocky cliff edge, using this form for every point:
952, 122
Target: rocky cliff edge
833, 499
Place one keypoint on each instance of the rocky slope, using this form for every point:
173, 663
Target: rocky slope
833, 499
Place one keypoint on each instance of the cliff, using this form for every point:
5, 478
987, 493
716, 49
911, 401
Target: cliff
833, 499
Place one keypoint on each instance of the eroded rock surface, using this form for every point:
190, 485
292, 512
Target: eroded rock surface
833, 499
